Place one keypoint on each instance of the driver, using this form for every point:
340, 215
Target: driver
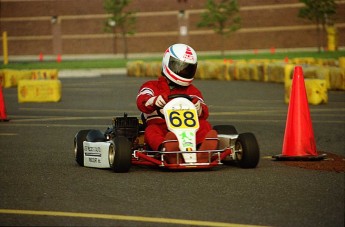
179, 65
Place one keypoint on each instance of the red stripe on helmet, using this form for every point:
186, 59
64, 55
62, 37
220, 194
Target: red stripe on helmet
175, 77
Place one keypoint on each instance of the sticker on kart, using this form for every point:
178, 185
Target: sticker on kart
183, 119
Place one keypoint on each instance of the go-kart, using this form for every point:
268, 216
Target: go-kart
122, 144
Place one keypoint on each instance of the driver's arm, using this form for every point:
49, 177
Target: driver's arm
147, 101
201, 107
198, 101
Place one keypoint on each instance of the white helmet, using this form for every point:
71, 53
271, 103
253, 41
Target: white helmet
179, 64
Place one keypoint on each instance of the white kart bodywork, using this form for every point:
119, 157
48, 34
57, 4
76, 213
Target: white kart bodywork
182, 119
96, 154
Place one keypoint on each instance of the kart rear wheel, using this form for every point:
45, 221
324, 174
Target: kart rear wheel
225, 129
79, 138
120, 156
247, 150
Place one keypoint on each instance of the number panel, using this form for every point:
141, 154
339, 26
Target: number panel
183, 119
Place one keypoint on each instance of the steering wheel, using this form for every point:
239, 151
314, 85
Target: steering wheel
180, 96
173, 97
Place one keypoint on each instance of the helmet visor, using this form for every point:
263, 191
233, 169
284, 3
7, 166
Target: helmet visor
181, 68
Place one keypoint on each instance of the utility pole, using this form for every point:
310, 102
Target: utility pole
183, 22
56, 33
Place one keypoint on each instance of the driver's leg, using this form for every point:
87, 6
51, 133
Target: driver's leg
204, 128
155, 135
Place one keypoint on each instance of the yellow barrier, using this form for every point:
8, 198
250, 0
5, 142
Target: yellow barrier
199, 72
11, 77
39, 91
130, 69
277, 71
148, 69
213, 70
315, 88
44, 74
326, 62
323, 74
242, 72
152, 69
342, 62
259, 61
303, 61
337, 78
288, 71
310, 72
135, 68
224, 75
230, 73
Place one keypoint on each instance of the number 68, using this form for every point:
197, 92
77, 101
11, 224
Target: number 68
184, 120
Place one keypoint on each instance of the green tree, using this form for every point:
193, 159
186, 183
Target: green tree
223, 17
319, 12
120, 20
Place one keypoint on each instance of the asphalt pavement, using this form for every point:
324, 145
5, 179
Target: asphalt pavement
41, 184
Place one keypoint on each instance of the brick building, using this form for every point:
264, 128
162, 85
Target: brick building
77, 26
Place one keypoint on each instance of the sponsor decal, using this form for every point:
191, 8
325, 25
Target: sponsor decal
188, 55
187, 138
95, 160
96, 154
92, 151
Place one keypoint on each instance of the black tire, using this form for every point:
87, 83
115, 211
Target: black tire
95, 136
120, 157
225, 129
79, 138
249, 152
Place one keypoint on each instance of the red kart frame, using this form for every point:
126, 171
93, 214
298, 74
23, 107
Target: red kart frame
215, 158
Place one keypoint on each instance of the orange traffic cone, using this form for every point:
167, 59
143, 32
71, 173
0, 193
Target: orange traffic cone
273, 50
299, 141
40, 57
3, 115
58, 58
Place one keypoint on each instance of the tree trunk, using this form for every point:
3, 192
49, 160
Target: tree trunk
124, 40
125, 48
223, 45
318, 36
323, 36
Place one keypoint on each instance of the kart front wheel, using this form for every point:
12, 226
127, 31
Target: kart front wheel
120, 156
247, 150
79, 138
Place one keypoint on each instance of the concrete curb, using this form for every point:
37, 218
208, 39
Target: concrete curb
80, 73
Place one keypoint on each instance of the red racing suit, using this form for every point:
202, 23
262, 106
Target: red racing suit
156, 127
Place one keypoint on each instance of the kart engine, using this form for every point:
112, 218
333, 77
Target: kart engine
126, 126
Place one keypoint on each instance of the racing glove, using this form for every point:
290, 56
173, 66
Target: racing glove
158, 101
198, 107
